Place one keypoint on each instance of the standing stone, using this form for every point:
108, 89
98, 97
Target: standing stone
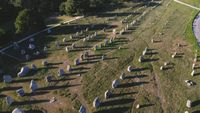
33, 86
86, 54
45, 49
20, 92
23, 52
71, 37
31, 46
115, 84
16, 110
73, 45
57, 44
64, 40
61, 72
96, 102
67, 49
141, 59
82, 109
122, 76
103, 57
193, 66
95, 47
193, 73
69, 69
138, 106
34, 67
16, 46
48, 78
37, 53
9, 100
189, 103
31, 40
24, 71
82, 57
129, 69
7, 79
107, 94
76, 62
28, 57
162, 68
105, 42
45, 63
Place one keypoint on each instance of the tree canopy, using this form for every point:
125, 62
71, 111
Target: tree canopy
28, 20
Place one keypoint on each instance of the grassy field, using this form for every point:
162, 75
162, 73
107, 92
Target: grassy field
156, 91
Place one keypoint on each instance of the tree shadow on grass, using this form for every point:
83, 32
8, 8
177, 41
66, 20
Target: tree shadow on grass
57, 87
62, 79
151, 60
36, 93
35, 111
136, 76
196, 103
80, 68
139, 69
114, 110
75, 73
10, 88
117, 102
31, 102
126, 85
146, 105
24, 80
122, 94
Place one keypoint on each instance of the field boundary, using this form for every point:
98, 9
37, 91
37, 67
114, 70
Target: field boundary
183, 3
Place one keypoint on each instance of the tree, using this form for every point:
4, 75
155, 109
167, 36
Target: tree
2, 32
28, 21
72, 7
